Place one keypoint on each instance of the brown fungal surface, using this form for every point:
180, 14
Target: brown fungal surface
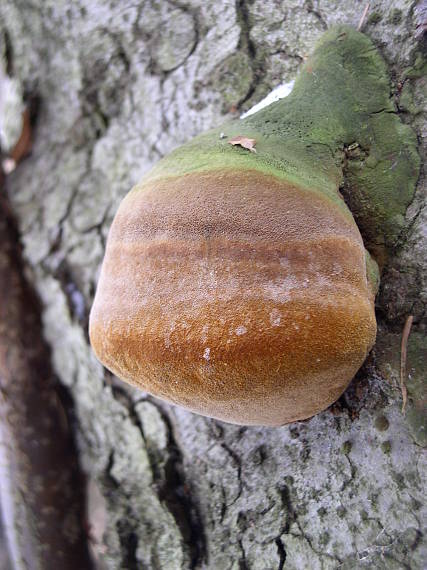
235, 294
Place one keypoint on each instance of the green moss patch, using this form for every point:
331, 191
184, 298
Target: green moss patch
337, 129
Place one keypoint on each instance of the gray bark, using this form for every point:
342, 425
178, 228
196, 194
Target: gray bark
120, 85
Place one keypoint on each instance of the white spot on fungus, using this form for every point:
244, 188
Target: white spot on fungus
207, 354
275, 318
241, 330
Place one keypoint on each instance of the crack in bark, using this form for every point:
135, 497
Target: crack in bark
8, 52
243, 565
248, 45
175, 492
281, 552
153, 67
171, 485
238, 463
126, 526
196, 26
129, 543
76, 301
285, 494
285, 497
316, 13
93, 78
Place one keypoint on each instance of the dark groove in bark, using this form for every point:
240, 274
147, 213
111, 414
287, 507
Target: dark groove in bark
129, 544
8, 53
41, 487
285, 496
175, 492
246, 44
243, 565
311, 10
282, 553
171, 485
76, 302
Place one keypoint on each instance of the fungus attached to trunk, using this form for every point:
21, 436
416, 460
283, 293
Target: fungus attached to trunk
236, 283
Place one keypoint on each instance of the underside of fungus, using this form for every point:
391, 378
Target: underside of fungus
236, 283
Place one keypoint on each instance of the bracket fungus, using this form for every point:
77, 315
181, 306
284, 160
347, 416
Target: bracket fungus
236, 284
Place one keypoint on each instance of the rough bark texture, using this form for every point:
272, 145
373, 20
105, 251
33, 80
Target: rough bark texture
120, 85
41, 491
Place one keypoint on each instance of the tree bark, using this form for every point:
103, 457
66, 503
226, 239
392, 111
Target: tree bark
41, 490
122, 84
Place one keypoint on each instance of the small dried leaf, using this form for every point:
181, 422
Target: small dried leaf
245, 142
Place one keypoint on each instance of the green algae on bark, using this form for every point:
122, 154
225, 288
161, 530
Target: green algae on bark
338, 129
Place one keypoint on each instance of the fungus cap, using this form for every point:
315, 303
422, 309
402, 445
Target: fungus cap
236, 283
235, 294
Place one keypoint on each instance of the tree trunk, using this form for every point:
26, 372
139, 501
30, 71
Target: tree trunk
120, 85
41, 490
